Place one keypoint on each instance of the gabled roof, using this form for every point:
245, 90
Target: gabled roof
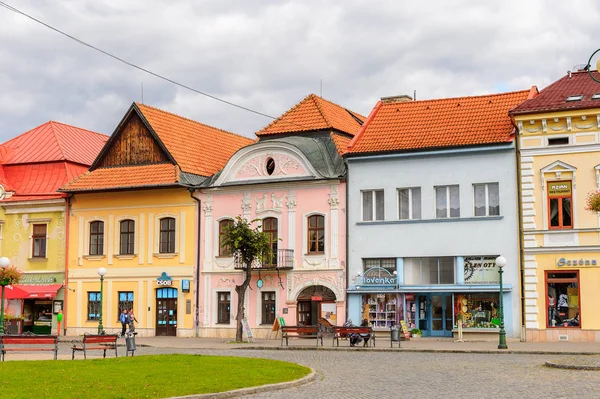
315, 113
197, 148
53, 141
554, 97
447, 122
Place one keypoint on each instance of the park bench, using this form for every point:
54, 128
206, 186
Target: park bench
300, 332
28, 343
346, 332
96, 342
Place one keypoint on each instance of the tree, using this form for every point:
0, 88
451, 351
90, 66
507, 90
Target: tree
249, 246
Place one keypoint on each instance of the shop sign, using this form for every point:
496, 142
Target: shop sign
559, 189
164, 280
185, 285
377, 276
32, 279
481, 270
576, 262
316, 298
410, 297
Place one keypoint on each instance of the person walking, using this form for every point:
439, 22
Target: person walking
124, 319
132, 319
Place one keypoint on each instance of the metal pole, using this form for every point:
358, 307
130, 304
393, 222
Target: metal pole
2, 313
100, 326
502, 343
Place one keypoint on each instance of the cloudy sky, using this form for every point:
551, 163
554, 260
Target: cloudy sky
267, 55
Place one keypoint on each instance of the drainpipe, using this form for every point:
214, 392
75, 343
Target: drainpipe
521, 237
66, 243
197, 321
347, 238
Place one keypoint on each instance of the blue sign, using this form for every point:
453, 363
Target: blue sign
377, 276
185, 285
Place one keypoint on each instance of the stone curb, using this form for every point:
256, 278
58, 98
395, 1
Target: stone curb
570, 366
252, 390
424, 350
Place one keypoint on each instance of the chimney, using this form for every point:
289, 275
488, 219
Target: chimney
396, 99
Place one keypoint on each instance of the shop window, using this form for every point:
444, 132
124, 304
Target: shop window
304, 313
268, 307
39, 240
127, 241
316, 234
224, 305
562, 298
167, 236
486, 199
424, 271
125, 301
560, 205
224, 250
97, 238
381, 309
93, 307
269, 227
447, 202
409, 203
477, 310
372, 205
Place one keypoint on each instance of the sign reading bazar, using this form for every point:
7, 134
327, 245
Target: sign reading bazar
559, 189
164, 280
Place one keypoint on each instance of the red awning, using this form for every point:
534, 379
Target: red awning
19, 291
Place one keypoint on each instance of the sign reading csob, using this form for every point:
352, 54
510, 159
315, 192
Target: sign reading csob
164, 280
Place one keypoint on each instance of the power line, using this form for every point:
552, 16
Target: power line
11, 8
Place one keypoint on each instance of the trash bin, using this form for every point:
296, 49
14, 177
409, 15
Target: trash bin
130, 344
395, 333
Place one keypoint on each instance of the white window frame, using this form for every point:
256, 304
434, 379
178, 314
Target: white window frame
447, 187
410, 203
374, 204
486, 198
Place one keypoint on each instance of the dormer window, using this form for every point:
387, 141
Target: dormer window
577, 97
596, 96
270, 166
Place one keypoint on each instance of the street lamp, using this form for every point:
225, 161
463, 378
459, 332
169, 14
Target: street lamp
4, 262
501, 262
588, 66
101, 273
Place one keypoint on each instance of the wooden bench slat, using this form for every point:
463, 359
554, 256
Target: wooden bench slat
24, 343
98, 342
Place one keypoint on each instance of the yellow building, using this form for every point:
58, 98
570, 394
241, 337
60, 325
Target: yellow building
133, 215
32, 218
559, 166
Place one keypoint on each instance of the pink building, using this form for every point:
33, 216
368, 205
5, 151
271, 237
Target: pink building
294, 180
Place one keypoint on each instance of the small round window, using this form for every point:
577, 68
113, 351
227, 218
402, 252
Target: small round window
270, 166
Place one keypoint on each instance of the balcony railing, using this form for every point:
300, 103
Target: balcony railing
283, 259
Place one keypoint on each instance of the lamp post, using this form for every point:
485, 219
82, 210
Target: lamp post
588, 66
4, 262
101, 273
501, 262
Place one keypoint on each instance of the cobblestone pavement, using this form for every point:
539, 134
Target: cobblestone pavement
364, 374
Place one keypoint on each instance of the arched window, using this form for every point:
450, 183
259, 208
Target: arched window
269, 227
97, 238
127, 237
316, 234
167, 236
224, 250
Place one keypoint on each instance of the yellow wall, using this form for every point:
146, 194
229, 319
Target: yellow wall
137, 273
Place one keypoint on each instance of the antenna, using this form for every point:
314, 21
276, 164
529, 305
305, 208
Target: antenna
321, 95
142, 92
415, 95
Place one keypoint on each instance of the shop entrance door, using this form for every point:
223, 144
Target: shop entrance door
435, 314
166, 312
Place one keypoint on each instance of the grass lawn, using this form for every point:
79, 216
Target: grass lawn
157, 376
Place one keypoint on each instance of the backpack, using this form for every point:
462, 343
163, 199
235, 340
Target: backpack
122, 318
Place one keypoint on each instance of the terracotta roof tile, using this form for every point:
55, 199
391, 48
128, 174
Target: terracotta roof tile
341, 142
448, 122
125, 177
554, 97
315, 113
53, 141
197, 148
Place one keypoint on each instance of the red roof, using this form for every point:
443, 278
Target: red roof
554, 97
341, 142
315, 113
141, 176
448, 122
54, 141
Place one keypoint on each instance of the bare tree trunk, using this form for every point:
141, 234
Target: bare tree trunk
241, 293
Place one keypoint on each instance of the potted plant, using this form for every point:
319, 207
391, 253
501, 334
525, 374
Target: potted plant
415, 333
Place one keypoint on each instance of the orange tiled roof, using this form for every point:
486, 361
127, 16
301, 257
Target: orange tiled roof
448, 122
341, 142
154, 175
315, 113
197, 148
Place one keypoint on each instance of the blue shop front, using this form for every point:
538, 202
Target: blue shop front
431, 295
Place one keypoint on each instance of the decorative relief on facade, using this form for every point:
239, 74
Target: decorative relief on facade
263, 206
207, 206
328, 278
285, 165
558, 128
314, 262
225, 282
544, 125
520, 127
291, 200
246, 203
578, 126
261, 203
276, 202
268, 281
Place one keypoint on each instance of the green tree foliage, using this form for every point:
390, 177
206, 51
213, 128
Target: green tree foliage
249, 246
